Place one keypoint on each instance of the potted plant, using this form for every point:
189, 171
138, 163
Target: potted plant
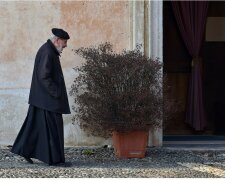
118, 95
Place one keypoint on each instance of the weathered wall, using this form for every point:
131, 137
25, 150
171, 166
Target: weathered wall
25, 26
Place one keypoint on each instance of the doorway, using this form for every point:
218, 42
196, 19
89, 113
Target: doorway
177, 68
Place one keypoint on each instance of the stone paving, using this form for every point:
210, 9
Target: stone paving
98, 162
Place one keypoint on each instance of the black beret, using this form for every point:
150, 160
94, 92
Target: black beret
60, 33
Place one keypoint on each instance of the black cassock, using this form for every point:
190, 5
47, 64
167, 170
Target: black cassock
41, 135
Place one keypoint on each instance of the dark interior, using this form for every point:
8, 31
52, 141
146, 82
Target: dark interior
177, 68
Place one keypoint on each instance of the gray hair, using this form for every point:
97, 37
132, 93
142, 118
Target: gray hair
53, 37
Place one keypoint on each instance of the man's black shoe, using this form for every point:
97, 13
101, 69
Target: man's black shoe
28, 160
66, 164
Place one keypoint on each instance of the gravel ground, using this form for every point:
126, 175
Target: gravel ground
159, 162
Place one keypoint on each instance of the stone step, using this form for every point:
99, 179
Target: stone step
193, 142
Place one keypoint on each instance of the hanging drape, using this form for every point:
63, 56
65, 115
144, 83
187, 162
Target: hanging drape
191, 19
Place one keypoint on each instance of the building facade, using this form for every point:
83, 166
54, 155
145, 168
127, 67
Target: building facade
26, 25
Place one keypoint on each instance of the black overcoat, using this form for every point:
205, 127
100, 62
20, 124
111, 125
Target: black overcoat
48, 90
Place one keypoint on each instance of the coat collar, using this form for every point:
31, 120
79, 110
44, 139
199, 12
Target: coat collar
53, 47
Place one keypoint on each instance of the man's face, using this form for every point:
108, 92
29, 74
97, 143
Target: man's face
61, 44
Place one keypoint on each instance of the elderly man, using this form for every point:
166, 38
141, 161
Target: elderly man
41, 135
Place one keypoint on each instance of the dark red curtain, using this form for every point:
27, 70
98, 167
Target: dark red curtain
191, 19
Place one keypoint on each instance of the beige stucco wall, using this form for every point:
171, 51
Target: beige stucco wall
25, 26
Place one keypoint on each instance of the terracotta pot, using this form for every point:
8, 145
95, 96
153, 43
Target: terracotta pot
130, 144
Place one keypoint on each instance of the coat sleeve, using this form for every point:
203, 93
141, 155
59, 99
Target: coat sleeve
44, 74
